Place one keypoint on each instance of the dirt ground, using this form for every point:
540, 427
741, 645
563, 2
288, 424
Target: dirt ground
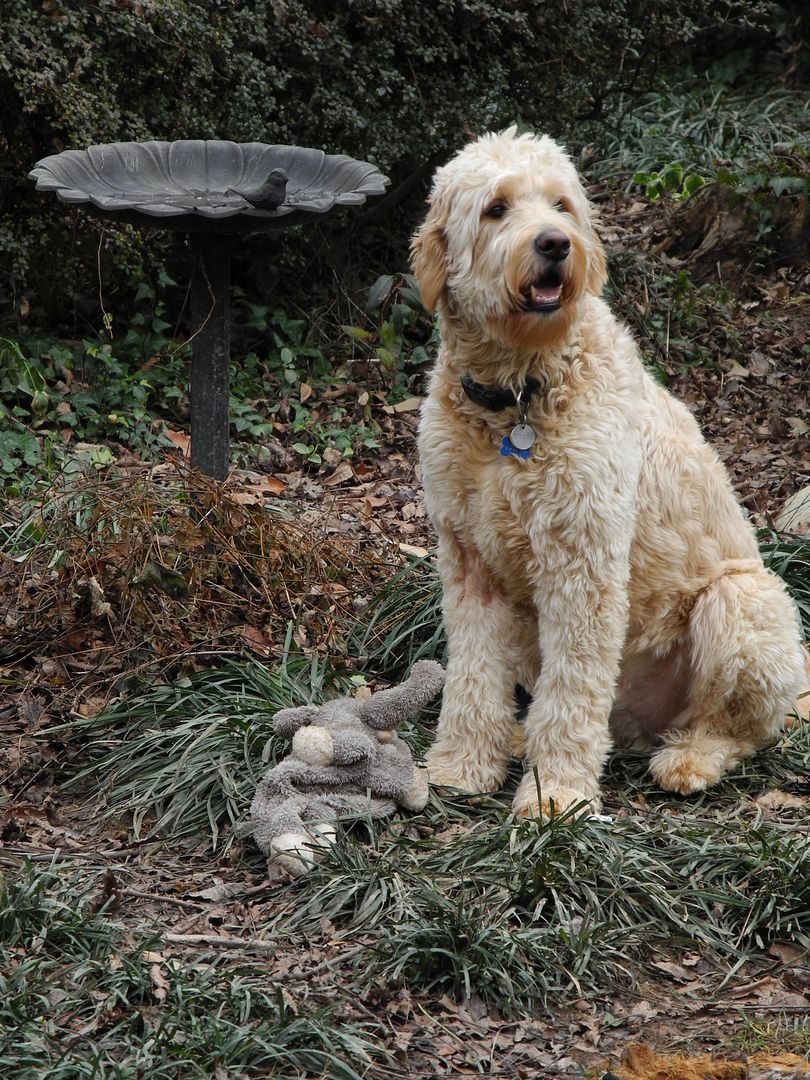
204, 908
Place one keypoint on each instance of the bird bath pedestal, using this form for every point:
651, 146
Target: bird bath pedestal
214, 191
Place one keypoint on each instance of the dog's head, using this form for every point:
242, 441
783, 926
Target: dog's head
508, 242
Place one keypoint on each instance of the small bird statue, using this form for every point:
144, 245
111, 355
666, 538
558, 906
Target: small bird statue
269, 195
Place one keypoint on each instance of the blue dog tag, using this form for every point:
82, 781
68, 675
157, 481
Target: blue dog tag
508, 449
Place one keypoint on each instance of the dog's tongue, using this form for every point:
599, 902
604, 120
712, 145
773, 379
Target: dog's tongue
546, 294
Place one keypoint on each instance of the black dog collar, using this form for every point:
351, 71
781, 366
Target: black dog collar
497, 400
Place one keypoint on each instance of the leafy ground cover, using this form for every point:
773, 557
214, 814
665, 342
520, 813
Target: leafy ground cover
152, 623
450, 943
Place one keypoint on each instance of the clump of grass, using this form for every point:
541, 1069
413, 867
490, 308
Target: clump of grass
678, 324
789, 558
775, 1035
52, 916
701, 123
403, 622
76, 991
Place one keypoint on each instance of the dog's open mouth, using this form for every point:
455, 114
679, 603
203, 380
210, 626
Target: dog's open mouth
545, 293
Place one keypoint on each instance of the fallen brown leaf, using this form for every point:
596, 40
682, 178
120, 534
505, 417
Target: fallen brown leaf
343, 472
411, 404
737, 371
413, 549
675, 970
255, 640
160, 984
787, 952
643, 1010
794, 516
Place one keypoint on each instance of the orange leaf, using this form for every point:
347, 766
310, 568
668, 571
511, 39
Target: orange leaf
180, 439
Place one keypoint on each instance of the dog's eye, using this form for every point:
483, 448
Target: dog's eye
561, 205
497, 210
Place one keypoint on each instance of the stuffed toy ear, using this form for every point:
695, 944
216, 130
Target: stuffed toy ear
287, 721
429, 256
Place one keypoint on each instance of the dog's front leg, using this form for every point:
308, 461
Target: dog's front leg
583, 609
477, 719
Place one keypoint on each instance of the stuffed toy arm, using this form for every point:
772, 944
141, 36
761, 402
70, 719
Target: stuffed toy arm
387, 708
287, 721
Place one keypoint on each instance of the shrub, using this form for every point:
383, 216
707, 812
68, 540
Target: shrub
397, 83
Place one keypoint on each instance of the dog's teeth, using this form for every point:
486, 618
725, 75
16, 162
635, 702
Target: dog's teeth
548, 294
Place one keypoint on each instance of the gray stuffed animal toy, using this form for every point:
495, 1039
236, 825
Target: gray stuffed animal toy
346, 761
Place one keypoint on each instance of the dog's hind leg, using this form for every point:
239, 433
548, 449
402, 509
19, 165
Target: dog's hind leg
486, 640
746, 668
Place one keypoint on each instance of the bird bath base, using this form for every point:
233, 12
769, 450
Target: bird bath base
210, 353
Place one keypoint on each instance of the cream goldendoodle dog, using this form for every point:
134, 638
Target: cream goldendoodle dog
590, 545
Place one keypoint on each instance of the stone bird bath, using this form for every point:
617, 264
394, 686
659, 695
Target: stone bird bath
214, 191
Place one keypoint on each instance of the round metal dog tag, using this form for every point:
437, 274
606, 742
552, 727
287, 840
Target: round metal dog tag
522, 436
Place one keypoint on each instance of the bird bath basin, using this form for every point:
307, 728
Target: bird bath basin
214, 191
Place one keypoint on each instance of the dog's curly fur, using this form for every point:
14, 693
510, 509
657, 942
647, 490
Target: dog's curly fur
613, 572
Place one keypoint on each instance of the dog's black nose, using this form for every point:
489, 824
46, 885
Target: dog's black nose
553, 244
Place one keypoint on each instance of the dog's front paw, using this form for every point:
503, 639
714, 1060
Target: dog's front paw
550, 799
475, 777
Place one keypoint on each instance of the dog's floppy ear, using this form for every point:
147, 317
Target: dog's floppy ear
596, 262
429, 256
596, 277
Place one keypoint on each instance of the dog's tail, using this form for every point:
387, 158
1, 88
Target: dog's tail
746, 653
